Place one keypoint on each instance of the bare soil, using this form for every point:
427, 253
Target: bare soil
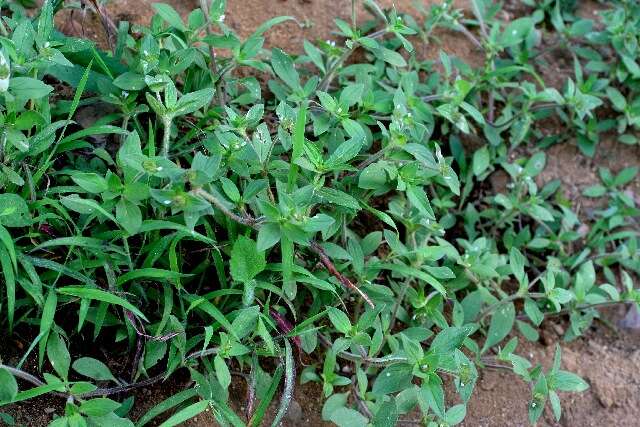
607, 357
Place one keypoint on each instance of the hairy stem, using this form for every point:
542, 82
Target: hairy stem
213, 64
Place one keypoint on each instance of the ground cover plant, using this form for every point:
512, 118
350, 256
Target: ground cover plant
243, 212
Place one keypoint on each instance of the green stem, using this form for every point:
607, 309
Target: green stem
510, 298
354, 22
166, 137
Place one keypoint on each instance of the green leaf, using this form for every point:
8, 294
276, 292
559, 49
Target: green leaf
35, 392
431, 395
129, 216
91, 182
85, 206
98, 407
100, 295
631, 65
29, 88
284, 68
517, 262
150, 273
193, 101
516, 31
340, 320
265, 26
186, 414
222, 371
392, 57
333, 403
130, 81
8, 386
315, 55
268, 236
14, 211
418, 198
58, 355
393, 378
10, 283
93, 368
448, 340
481, 159
568, 381
246, 261
289, 377
170, 15
346, 417
455, 414
257, 417
536, 164
166, 405
387, 415
501, 323
212, 311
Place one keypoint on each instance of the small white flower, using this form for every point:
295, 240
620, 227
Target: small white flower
167, 202
221, 18
5, 72
159, 168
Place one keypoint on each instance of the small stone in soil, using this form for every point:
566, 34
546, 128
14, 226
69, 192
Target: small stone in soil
294, 414
632, 319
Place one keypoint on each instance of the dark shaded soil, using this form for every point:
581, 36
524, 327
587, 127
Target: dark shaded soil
609, 359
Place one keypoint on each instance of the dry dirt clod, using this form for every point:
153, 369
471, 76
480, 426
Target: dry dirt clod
488, 382
603, 394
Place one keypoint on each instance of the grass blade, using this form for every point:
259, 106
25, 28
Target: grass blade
186, 414
149, 273
10, 284
257, 417
100, 295
289, 379
167, 404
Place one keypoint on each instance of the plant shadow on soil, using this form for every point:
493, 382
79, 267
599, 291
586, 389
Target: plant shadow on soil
607, 357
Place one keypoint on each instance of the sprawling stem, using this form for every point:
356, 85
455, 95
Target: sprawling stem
166, 137
325, 83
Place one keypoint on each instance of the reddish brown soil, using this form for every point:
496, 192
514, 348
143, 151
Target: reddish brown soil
609, 359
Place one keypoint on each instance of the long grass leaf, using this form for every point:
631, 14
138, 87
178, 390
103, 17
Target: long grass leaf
167, 404
257, 417
186, 414
100, 295
7, 240
289, 379
10, 284
150, 273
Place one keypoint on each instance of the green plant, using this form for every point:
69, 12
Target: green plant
204, 227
